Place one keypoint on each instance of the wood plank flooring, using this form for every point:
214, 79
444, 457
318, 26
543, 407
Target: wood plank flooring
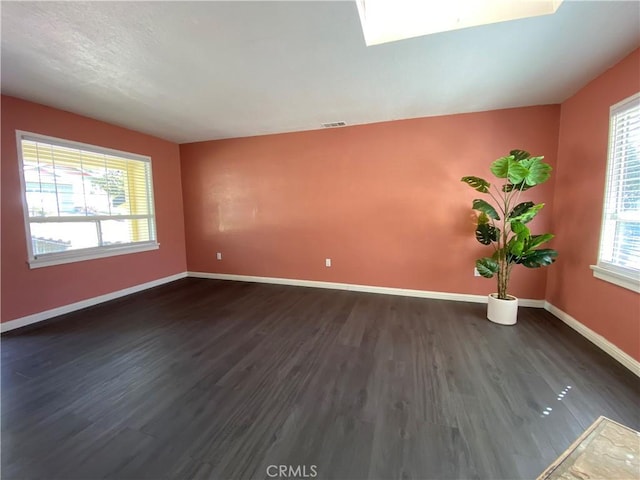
212, 379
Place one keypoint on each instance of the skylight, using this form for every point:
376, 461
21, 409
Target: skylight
391, 20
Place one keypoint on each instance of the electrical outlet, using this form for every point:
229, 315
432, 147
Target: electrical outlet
327, 262
476, 273
219, 255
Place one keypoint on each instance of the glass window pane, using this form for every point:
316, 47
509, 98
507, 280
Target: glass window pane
52, 237
125, 231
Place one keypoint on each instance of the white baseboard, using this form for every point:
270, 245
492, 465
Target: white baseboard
54, 312
597, 339
459, 297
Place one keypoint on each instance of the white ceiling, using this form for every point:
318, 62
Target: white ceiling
191, 71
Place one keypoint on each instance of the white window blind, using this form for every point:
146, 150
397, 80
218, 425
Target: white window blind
83, 201
619, 255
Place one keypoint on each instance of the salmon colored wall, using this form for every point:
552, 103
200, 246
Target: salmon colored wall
610, 310
26, 291
383, 201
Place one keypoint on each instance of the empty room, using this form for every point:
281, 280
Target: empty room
320, 239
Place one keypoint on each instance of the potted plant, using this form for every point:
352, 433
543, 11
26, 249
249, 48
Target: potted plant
503, 225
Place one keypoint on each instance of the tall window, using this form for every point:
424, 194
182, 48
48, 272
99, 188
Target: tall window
619, 257
84, 202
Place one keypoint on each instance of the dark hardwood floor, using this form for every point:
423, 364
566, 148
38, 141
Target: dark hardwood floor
213, 379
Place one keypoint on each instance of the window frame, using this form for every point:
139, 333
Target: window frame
623, 277
82, 254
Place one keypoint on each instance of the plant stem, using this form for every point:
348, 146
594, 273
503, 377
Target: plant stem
520, 190
504, 269
496, 200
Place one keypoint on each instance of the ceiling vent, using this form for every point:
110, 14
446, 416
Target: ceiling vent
334, 124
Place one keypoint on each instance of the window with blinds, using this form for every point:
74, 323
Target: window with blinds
619, 256
83, 201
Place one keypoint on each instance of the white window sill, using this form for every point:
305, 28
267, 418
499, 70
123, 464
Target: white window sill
621, 279
88, 254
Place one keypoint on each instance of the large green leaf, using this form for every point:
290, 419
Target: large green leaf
537, 171
487, 267
537, 240
485, 208
538, 258
500, 167
529, 161
521, 230
519, 154
477, 183
528, 214
486, 233
508, 167
516, 246
520, 209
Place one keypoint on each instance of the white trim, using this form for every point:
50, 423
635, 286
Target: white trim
617, 278
23, 196
54, 312
615, 108
458, 297
48, 260
83, 219
597, 339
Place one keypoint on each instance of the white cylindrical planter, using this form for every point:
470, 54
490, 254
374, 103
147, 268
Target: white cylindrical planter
504, 312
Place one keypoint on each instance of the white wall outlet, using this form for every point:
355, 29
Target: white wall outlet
327, 262
219, 255
476, 273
